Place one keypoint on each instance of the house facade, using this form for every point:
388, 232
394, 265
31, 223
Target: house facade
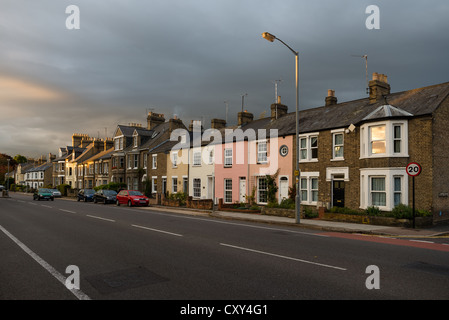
354, 154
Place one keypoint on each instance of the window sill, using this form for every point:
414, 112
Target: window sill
307, 161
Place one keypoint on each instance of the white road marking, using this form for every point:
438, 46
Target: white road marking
283, 257
421, 241
67, 211
157, 230
43, 205
76, 292
87, 215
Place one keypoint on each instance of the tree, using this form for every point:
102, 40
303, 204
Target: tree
20, 159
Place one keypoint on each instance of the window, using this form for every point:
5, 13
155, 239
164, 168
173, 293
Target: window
384, 139
154, 184
136, 161
70, 171
262, 152
211, 157
262, 193
384, 188
122, 162
228, 190
96, 168
175, 159
308, 187
174, 181
377, 140
378, 194
105, 168
197, 188
129, 162
135, 141
197, 158
397, 190
303, 188
338, 145
154, 161
145, 160
397, 139
228, 157
91, 169
135, 184
308, 147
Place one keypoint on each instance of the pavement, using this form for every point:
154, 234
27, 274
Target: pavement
333, 226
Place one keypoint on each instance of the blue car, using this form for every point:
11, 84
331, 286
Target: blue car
86, 195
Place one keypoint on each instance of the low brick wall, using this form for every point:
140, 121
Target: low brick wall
376, 220
289, 213
206, 204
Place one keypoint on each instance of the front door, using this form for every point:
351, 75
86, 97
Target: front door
338, 193
242, 189
283, 188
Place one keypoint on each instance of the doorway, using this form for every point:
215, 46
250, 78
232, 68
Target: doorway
338, 193
242, 190
283, 188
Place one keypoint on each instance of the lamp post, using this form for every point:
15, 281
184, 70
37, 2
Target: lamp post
271, 38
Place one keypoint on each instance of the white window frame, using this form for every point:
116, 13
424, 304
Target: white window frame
308, 147
154, 184
365, 139
197, 158
262, 151
197, 188
228, 157
309, 190
334, 145
390, 174
174, 184
154, 161
145, 160
136, 161
174, 159
262, 190
227, 190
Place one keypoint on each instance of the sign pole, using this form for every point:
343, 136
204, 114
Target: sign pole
413, 185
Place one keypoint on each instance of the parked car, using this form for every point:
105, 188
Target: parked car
105, 196
2, 187
56, 193
43, 194
86, 195
132, 198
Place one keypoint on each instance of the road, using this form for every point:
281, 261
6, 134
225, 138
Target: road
141, 253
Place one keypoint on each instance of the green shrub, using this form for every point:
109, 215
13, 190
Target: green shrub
63, 189
402, 211
287, 204
373, 211
310, 213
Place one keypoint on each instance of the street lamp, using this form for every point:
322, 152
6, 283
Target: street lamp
271, 38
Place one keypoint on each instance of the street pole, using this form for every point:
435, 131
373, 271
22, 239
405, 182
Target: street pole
271, 38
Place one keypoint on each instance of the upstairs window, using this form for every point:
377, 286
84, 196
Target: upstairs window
384, 139
308, 147
228, 157
262, 152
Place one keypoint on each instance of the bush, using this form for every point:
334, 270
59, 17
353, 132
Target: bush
63, 189
373, 211
310, 213
287, 204
402, 211
181, 197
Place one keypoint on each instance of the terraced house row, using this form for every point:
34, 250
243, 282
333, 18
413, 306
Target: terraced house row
351, 154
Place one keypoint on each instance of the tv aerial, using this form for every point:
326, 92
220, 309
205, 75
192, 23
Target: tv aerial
365, 56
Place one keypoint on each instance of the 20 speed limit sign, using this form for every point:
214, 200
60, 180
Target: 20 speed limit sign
413, 169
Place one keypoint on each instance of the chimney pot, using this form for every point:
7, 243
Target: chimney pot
330, 99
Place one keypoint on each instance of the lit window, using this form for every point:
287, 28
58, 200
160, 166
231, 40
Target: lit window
377, 139
338, 146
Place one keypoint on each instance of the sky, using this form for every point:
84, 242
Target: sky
187, 57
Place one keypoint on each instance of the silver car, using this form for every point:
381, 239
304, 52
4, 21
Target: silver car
56, 193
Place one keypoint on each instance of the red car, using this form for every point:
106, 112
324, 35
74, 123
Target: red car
132, 198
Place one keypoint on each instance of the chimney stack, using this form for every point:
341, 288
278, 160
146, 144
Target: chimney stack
194, 124
331, 99
108, 143
378, 87
244, 118
154, 119
175, 124
278, 109
217, 123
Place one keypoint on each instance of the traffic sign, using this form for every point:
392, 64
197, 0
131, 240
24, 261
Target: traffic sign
413, 169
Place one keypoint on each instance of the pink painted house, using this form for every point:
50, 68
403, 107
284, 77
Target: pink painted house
251, 151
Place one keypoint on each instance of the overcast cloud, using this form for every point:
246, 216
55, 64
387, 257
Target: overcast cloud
186, 57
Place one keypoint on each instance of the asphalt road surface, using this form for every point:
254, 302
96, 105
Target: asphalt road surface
125, 253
